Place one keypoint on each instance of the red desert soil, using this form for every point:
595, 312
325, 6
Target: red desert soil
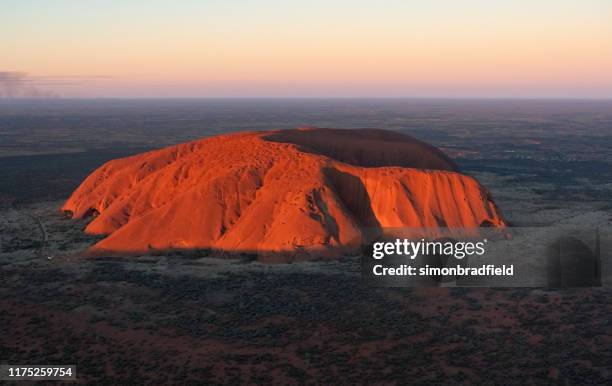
304, 193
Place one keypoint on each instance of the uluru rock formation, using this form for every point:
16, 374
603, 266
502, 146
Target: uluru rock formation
304, 193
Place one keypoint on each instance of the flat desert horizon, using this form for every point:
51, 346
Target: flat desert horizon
193, 315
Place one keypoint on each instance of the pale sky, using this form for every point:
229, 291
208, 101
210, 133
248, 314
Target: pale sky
313, 48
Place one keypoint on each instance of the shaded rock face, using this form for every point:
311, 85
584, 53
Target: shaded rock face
302, 194
367, 148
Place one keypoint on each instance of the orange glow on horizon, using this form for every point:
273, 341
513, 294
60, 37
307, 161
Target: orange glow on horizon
548, 48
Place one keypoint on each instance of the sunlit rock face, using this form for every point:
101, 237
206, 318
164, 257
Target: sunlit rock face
301, 194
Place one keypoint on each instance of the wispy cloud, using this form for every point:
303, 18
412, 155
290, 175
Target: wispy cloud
15, 84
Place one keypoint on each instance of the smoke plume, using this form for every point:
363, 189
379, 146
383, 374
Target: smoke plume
15, 85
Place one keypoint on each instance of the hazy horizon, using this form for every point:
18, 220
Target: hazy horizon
307, 98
